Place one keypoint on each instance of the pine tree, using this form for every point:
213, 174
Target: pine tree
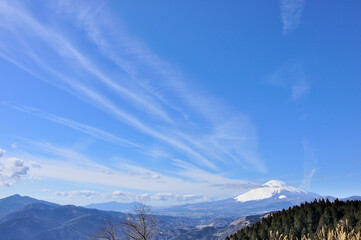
308, 219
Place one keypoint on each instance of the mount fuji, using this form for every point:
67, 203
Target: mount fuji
271, 196
275, 190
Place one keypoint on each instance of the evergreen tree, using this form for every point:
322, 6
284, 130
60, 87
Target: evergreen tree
305, 220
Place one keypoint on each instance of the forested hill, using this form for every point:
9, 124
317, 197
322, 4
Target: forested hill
308, 218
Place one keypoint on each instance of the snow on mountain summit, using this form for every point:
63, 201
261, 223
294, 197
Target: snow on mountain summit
274, 183
273, 188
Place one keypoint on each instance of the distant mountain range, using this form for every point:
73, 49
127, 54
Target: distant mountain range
271, 196
40, 220
113, 206
32, 219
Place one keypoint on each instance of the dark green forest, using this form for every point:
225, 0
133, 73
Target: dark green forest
306, 219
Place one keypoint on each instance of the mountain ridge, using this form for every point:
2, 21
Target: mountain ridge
41, 220
15, 202
270, 196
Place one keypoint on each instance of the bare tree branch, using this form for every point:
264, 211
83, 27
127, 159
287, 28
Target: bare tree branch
108, 232
139, 224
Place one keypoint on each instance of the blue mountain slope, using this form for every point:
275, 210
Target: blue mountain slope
15, 202
352, 198
38, 221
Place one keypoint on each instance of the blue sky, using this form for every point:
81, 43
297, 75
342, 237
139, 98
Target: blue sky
178, 101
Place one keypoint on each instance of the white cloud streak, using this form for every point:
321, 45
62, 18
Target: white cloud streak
92, 131
309, 167
127, 196
171, 197
307, 177
291, 12
176, 113
87, 129
64, 164
76, 193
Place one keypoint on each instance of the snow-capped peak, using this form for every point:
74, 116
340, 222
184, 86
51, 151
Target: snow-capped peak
273, 188
274, 183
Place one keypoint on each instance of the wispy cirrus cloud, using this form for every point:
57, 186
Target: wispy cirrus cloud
291, 12
61, 164
140, 89
128, 196
165, 197
310, 164
293, 79
78, 193
90, 130
238, 186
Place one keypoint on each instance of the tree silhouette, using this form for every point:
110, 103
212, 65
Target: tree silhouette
139, 224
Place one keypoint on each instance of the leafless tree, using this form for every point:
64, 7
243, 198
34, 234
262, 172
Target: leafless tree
108, 232
139, 224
